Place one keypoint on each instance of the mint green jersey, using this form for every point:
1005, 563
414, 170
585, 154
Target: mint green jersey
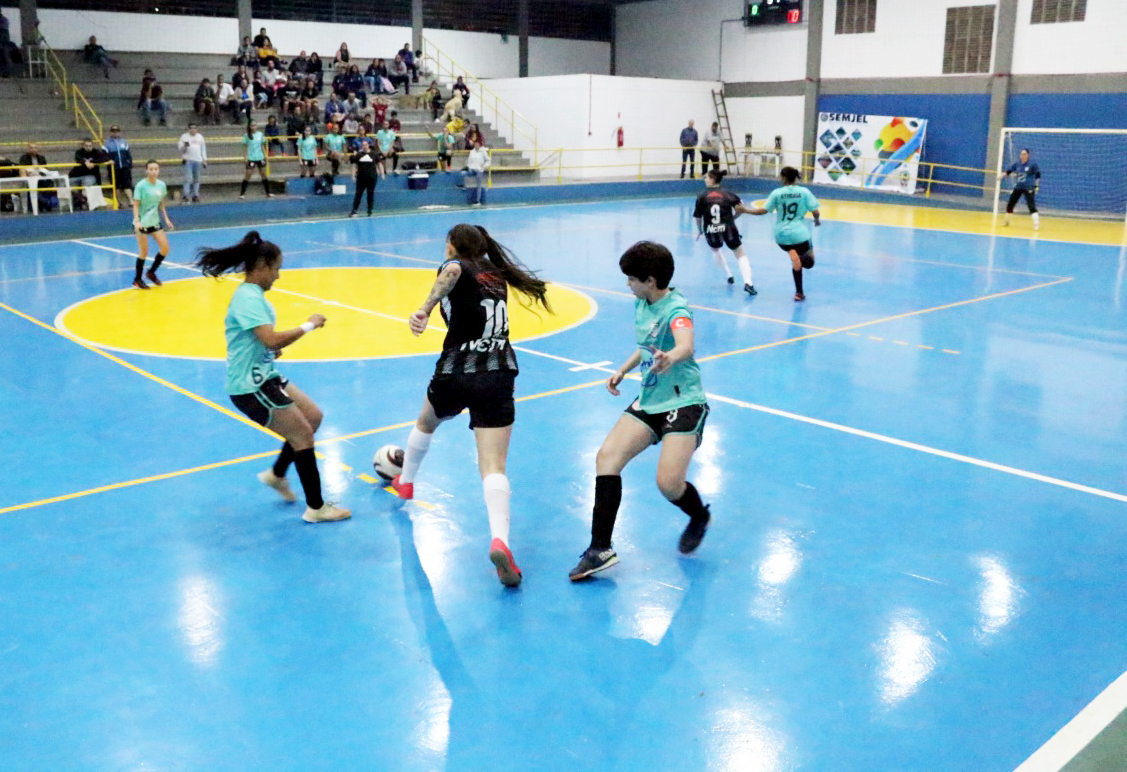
249, 362
792, 202
307, 148
148, 196
680, 385
334, 142
254, 147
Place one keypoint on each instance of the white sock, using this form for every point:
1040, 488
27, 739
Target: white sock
720, 261
418, 443
497, 493
745, 268
1036, 219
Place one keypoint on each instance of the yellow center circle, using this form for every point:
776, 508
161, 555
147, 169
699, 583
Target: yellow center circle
367, 310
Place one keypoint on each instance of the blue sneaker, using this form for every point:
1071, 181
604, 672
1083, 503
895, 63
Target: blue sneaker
591, 562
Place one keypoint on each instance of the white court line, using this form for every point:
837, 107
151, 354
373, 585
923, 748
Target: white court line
1075, 736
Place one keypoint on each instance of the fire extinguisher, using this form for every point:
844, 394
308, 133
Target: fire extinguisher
621, 139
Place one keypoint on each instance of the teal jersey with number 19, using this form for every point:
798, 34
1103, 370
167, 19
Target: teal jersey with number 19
249, 362
791, 202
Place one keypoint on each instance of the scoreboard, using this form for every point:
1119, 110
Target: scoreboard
771, 12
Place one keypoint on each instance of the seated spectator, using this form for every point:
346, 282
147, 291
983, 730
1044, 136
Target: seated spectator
334, 109
86, 172
456, 125
96, 55
225, 98
204, 102
35, 165
261, 38
361, 136
263, 94
244, 100
152, 98
310, 95
281, 89
270, 76
299, 64
267, 54
372, 76
420, 64
379, 109
399, 75
117, 150
394, 123
342, 59
356, 84
352, 105
340, 85
461, 88
295, 126
273, 134
408, 57
367, 123
351, 126
433, 99
317, 70
247, 55
241, 72
473, 137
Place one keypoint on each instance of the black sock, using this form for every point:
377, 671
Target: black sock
156, 262
140, 268
306, 464
266, 185
285, 458
243, 190
690, 503
797, 280
608, 495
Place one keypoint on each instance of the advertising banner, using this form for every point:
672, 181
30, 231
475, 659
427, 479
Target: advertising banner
869, 151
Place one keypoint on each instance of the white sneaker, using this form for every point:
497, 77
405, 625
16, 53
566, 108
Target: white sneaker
280, 484
1036, 223
326, 513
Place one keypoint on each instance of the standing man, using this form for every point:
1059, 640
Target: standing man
688, 149
1027, 181
710, 148
118, 150
476, 165
193, 151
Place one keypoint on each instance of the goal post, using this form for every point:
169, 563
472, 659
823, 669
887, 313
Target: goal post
1083, 171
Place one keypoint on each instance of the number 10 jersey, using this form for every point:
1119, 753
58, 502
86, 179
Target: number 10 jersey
477, 322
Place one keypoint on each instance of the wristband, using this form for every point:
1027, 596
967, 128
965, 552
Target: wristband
308, 327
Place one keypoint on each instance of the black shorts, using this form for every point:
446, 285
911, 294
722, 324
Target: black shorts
729, 236
682, 420
444, 156
801, 249
489, 397
309, 164
259, 405
123, 179
256, 164
151, 229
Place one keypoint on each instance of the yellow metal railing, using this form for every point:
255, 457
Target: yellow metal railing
84, 114
493, 109
57, 71
47, 184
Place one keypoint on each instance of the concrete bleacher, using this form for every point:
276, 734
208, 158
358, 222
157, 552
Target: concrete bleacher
41, 116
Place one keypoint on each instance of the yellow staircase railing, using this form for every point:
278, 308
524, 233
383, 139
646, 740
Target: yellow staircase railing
56, 70
84, 114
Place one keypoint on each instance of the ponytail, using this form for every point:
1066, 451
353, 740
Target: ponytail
718, 175
789, 174
244, 256
473, 242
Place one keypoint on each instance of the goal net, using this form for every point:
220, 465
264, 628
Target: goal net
1083, 171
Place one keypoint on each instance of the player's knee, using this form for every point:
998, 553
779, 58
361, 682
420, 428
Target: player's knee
314, 416
608, 461
671, 483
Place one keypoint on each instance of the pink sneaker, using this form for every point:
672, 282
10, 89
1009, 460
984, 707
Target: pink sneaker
507, 570
404, 490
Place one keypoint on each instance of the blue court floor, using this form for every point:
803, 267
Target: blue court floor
918, 481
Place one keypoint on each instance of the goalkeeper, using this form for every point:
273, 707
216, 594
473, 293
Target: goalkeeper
1027, 181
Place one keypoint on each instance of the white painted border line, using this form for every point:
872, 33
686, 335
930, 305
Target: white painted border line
1078, 733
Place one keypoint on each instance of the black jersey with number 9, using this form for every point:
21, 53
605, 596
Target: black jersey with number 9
476, 313
718, 208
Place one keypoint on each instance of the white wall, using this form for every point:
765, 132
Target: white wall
908, 42
581, 113
1093, 45
672, 38
69, 30
764, 55
766, 117
555, 56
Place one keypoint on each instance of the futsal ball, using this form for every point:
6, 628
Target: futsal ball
388, 461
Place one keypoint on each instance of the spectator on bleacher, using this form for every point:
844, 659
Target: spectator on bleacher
307, 152
261, 38
193, 155
267, 54
244, 100
247, 55
87, 172
456, 125
394, 123
152, 98
356, 84
334, 146
204, 102
473, 136
339, 85
117, 149
689, 149
240, 73
477, 166
290, 95
334, 109
94, 54
352, 105
710, 149
462, 89
379, 110
399, 75
372, 76
361, 136
351, 127
33, 160
299, 64
225, 99
270, 76
385, 142
295, 125
408, 57
281, 85
6, 57
433, 98
310, 96
342, 58
262, 92
364, 170
368, 124
317, 70
273, 134
254, 155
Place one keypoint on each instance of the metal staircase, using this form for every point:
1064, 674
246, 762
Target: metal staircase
730, 158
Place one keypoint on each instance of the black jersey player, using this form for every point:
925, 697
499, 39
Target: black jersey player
715, 213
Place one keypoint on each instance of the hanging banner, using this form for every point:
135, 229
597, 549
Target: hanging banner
869, 151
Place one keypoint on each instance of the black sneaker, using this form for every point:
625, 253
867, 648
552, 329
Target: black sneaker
591, 562
694, 533
750, 289
352, 213
731, 279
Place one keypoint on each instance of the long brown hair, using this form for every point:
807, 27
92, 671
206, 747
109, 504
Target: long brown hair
472, 242
243, 257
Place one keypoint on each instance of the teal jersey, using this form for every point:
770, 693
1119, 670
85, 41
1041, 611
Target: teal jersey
307, 148
680, 385
254, 147
334, 142
149, 196
792, 202
385, 138
249, 362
